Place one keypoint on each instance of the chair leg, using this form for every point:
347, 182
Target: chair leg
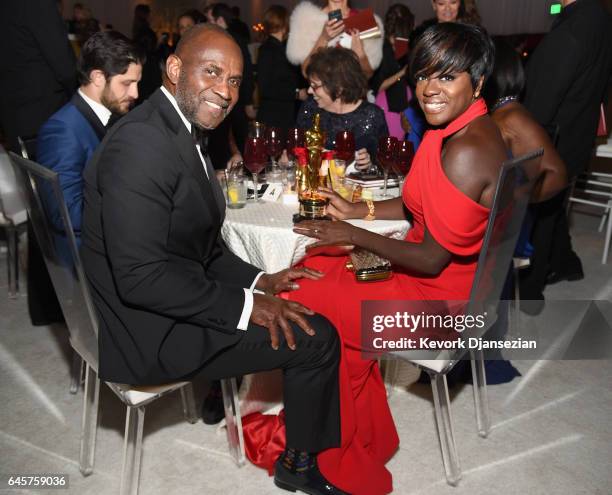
444, 423
89, 423
517, 300
76, 372
233, 420
604, 258
12, 260
188, 400
481, 400
391, 369
132, 450
602, 222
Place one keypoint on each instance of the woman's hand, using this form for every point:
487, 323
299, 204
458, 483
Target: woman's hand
273, 283
362, 159
235, 161
357, 43
328, 233
331, 29
339, 208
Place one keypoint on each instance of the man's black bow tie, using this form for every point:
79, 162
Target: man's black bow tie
200, 137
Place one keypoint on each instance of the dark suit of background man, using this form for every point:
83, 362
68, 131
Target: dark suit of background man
109, 68
38, 66
37, 77
567, 79
172, 300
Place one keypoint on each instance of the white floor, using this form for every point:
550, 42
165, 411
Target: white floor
552, 427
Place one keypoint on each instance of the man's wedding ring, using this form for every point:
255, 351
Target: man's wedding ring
316, 231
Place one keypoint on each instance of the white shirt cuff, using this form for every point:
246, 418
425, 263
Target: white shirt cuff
247, 309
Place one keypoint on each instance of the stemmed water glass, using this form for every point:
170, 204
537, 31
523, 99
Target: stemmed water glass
255, 154
386, 155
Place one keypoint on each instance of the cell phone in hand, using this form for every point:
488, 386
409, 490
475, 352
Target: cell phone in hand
335, 15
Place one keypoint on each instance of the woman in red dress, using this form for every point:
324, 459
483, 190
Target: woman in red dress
448, 191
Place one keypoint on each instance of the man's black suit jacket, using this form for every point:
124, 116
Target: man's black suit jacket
168, 292
567, 77
38, 68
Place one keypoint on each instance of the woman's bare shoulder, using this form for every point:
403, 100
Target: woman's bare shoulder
472, 159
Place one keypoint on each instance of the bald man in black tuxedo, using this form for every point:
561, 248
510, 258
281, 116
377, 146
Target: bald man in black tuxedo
173, 301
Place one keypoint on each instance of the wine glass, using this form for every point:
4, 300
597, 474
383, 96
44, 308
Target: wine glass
386, 155
345, 146
255, 157
274, 144
295, 139
405, 154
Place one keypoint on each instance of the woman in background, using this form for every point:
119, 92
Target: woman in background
448, 11
310, 29
280, 83
389, 83
519, 129
338, 88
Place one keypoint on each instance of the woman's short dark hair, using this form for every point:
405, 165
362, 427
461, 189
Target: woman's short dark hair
110, 52
399, 21
508, 77
450, 47
340, 73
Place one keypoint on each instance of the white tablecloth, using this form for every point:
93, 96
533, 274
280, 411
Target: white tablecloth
262, 234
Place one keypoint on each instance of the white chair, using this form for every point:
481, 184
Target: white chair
39, 186
595, 189
512, 195
13, 219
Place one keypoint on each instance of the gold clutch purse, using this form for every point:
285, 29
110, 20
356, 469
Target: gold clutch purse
368, 267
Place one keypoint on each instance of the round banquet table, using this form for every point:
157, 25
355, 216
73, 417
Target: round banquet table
262, 234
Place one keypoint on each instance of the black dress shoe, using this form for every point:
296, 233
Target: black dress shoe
310, 481
570, 276
212, 408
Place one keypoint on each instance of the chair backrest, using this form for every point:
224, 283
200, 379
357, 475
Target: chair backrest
513, 193
27, 145
11, 205
39, 186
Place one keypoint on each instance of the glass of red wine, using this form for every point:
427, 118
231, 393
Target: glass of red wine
345, 146
386, 155
405, 154
295, 139
255, 157
274, 144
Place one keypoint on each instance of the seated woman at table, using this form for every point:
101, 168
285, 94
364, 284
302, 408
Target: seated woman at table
449, 192
338, 91
520, 131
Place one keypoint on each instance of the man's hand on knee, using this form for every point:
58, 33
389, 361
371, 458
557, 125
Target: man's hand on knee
275, 314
